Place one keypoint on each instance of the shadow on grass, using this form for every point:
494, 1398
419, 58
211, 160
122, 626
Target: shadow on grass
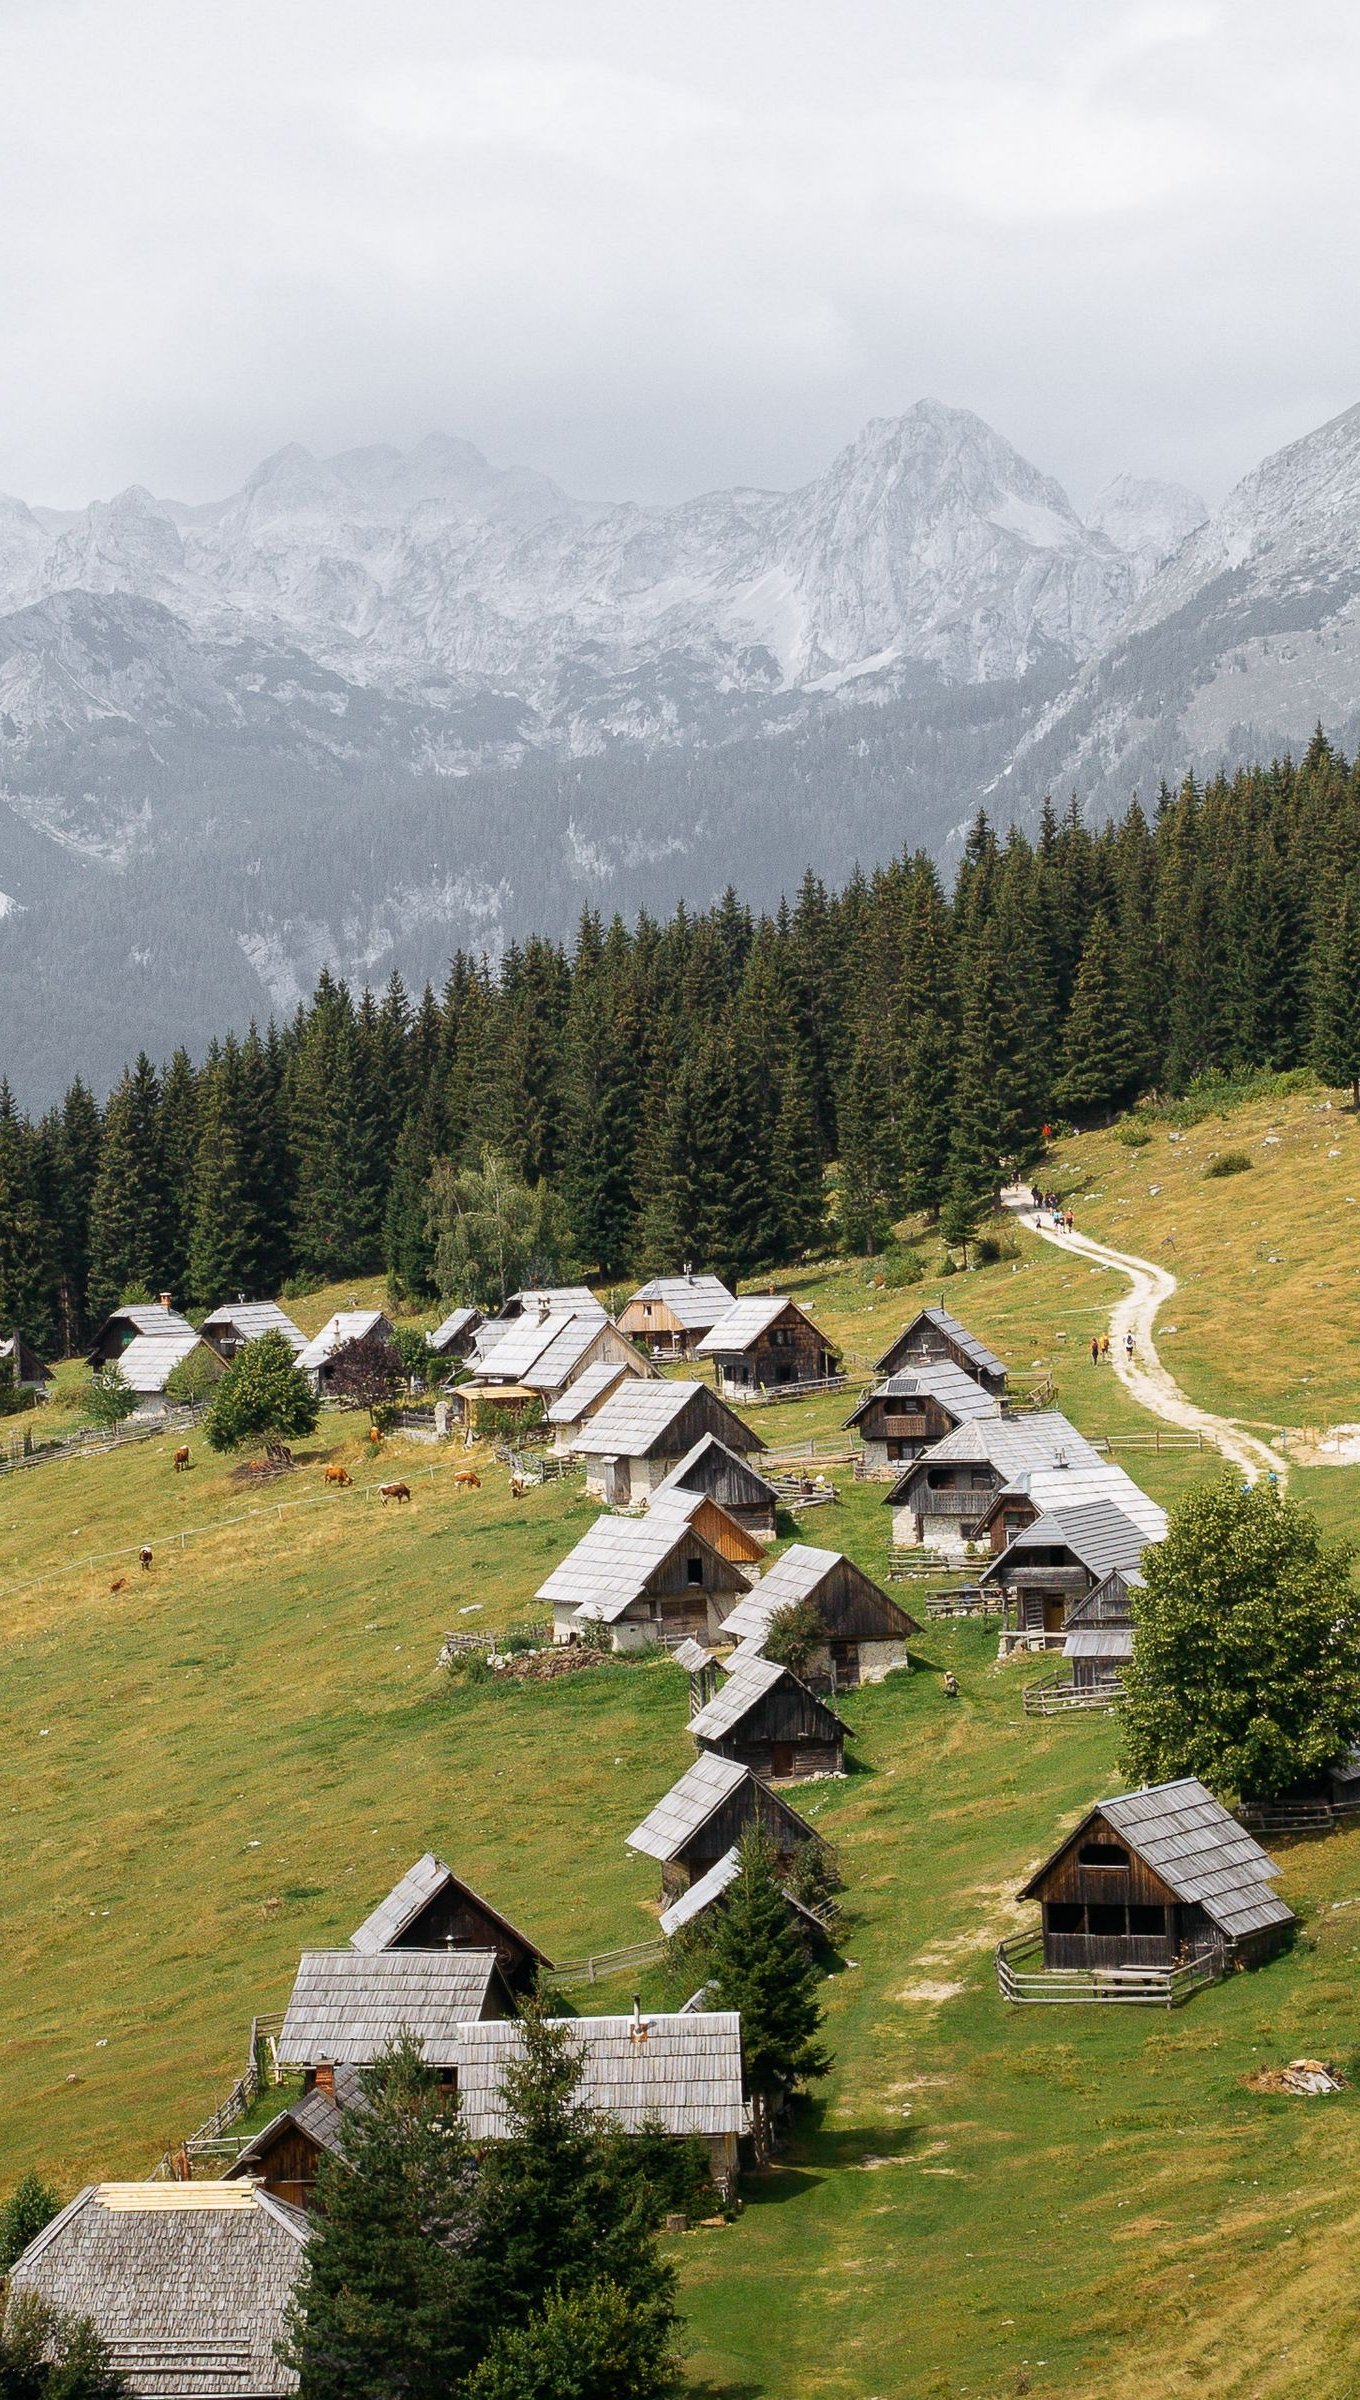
724, 2391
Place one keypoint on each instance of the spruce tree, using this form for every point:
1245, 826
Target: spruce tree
1099, 1050
178, 1154
760, 1967
128, 1208
408, 1247
328, 1103
225, 1241
1336, 991
26, 1239
863, 1206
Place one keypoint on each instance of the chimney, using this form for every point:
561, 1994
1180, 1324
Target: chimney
323, 2078
163, 1300
638, 2031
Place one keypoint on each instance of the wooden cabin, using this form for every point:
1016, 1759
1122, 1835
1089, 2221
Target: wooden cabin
348, 2006
188, 2285
1098, 1634
542, 1354
285, 2156
431, 1908
762, 1343
942, 1497
680, 2073
710, 1519
237, 1322
156, 1319
563, 1299
733, 1482
643, 1430
912, 1411
1057, 1560
149, 1361
710, 1890
341, 1332
933, 1338
866, 1632
706, 1813
21, 1363
673, 1312
649, 1578
451, 1342
1040, 1490
770, 1722
583, 1399
1155, 1877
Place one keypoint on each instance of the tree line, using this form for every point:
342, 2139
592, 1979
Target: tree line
678, 1091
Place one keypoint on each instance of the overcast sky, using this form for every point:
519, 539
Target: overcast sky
655, 249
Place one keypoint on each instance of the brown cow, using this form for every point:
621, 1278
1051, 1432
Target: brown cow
119, 1586
144, 1557
466, 1481
393, 1491
338, 1475
181, 1459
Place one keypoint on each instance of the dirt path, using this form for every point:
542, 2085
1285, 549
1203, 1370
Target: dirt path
1143, 1376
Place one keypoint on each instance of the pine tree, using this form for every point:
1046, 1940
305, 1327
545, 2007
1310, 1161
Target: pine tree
128, 1208
1099, 1048
863, 1207
26, 1239
1336, 991
408, 1247
759, 1966
334, 1233
178, 1153
225, 1233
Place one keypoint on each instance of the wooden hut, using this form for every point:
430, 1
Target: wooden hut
647, 1578
1154, 1877
762, 1343
1038, 1490
156, 1319
237, 1322
934, 1337
347, 2006
679, 2073
583, 1399
431, 1908
285, 2156
866, 1632
149, 1361
705, 1813
340, 1333
187, 2284
673, 1312
23, 1365
733, 1482
710, 1889
451, 1342
708, 1517
563, 1299
1098, 1633
542, 1354
767, 1720
643, 1430
1057, 1560
911, 1411
941, 1498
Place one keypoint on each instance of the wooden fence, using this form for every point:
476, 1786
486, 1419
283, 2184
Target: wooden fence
261, 2070
570, 1973
90, 1441
1023, 1979
1058, 1696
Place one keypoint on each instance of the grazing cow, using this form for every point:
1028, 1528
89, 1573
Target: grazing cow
181, 1459
518, 1487
466, 1481
338, 1475
119, 1586
373, 1434
144, 1558
393, 1491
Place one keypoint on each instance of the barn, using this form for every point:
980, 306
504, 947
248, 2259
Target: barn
934, 1337
237, 1322
1056, 1561
1098, 1635
673, 1312
865, 1632
188, 2284
347, 2006
941, 1498
706, 1813
431, 1908
1156, 1877
733, 1482
646, 1578
644, 1429
765, 1719
681, 2073
912, 1410
766, 1342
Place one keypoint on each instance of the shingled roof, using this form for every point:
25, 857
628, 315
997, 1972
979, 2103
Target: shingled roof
346, 1326
682, 2072
1099, 1535
521, 1352
317, 2115
1013, 1445
631, 1420
748, 1680
1073, 1485
797, 1576
985, 1360
752, 1490
745, 1322
592, 1385
938, 1379
421, 1884
187, 2283
458, 1322
615, 1559
248, 1319
710, 1887
347, 2005
690, 1803
1200, 1852
695, 1301
150, 1359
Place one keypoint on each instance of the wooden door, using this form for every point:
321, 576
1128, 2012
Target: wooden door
783, 1758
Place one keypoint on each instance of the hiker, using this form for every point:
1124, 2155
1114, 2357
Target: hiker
1095, 1350
1128, 1347
1071, 1220
1104, 1347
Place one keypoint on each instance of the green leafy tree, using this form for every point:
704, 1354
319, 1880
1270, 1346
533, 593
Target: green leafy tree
30, 2207
493, 1233
1336, 991
389, 2303
1246, 1665
263, 1397
47, 2355
109, 1398
794, 1636
592, 2344
760, 1967
196, 1377
1099, 1050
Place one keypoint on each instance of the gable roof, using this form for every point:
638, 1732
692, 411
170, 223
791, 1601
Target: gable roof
1200, 1852
347, 1325
523, 1344
794, 1577
592, 1385
27, 1364
695, 1301
745, 1322
143, 1317
347, 2005
615, 1559
421, 1884
187, 2283
1073, 1486
683, 2072
1011, 1444
985, 1360
151, 1359
1100, 1536
752, 1488
938, 1379
711, 1885
571, 1351
689, 1804
316, 2116
458, 1322
1109, 1602
637, 1417
748, 1681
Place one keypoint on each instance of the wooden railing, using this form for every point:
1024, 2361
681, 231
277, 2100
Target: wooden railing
570, 1973
1058, 1696
1296, 1816
261, 2070
1023, 1978
90, 1441
769, 1395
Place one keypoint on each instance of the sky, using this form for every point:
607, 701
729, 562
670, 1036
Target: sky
654, 250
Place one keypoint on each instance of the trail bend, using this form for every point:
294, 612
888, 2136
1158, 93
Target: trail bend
1143, 1376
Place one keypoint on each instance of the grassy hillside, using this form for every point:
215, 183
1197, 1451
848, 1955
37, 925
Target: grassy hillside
238, 1753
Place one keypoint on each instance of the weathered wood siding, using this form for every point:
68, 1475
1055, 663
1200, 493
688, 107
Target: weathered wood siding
288, 2167
453, 1921
893, 1431
789, 1733
726, 1826
791, 1350
926, 1345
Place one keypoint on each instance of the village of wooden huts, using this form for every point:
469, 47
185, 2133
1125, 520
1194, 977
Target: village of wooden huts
674, 1312
766, 1343
542, 1353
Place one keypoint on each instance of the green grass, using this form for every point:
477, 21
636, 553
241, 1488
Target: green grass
236, 1755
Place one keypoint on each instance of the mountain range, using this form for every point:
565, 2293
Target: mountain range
373, 707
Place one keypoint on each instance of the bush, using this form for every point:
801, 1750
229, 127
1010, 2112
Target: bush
898, 1268
108, 1398
301, 1287
1132, 1134
263, 1397
990, 1247
794, 1636
503, 1424
195, 1378
1228, 1162
30, 2207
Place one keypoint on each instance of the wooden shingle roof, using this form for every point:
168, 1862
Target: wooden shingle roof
150, 1359
748, 1681
346, 1326
736, 1478
799, 1575
689, 1804
248, 1319
187, 2283
1099, 1535
939, 1379
592, 1385
681, 2072
458, 1324
1013, 1445
1200, 1852
348, 2005
422, 1883
615, 1560
985, 1360
695, 1301
745, 1322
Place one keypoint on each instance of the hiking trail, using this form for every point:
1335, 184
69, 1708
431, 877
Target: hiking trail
1143, 1376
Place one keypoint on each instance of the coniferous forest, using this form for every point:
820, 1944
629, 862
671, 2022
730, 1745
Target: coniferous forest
681, 1087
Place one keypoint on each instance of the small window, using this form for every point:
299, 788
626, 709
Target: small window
1147, 1920
1063, 1916
1101, 1918
694, 1570
1102, 1854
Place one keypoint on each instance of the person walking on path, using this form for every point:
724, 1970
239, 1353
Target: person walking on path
1128, 1345
1095, 1350
1104, 1347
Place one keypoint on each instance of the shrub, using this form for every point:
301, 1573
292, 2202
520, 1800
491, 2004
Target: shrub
263, 1397
196, 1377
1132, 1134
301, 1287
990, 1247
109, 1398
897, 1268
30, 2207
794, 1636
1228, 1162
